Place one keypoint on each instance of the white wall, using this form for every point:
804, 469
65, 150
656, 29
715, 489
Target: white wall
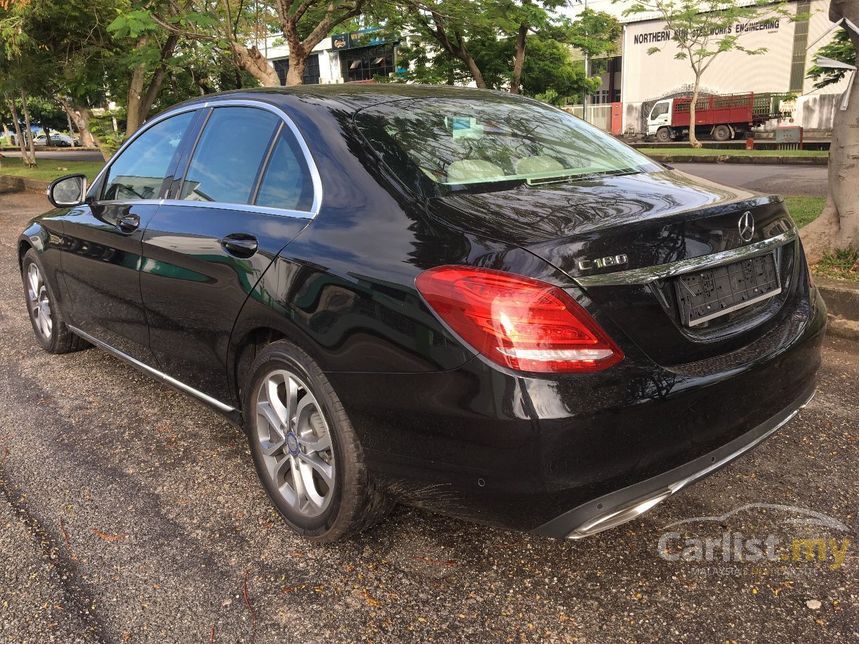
650, 76
276, 48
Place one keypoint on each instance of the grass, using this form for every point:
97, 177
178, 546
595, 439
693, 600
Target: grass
731, 152
49, 169
841, 265
803, 208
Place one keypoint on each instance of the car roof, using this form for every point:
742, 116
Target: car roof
352, 96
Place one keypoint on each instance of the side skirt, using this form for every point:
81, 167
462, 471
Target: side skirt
227, 410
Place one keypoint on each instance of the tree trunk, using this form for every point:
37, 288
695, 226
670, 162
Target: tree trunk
519, 58
81, 118
694, 142
155, 83
135, 91
296, 72
25, 156
30, 144
475, 71
81, 124
836, 227
252, 61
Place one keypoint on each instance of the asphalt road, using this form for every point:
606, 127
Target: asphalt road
128, 512
783, 179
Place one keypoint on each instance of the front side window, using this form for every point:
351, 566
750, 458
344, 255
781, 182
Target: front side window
456, 141
141, 168
228, 157
659, 110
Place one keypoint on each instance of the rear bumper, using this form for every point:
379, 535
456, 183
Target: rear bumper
623, 505
521, 452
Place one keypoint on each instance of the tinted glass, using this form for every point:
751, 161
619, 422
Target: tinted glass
228, 156
139, 171
475, 141
287, 182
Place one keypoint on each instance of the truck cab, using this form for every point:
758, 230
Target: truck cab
660, 117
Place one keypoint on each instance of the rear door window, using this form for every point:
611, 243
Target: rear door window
227, 159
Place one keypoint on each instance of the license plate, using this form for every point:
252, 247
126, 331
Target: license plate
711, 293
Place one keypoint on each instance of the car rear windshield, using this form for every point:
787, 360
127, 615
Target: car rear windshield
473, 141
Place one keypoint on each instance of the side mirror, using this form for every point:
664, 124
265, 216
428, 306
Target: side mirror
68, 191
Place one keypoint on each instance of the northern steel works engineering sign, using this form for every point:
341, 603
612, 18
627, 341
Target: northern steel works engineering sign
666, 35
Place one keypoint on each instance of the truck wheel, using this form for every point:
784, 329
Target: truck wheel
722, 133
664, 135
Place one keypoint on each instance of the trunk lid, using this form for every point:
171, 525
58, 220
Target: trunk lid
625, 238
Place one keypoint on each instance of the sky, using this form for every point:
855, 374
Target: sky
613, 8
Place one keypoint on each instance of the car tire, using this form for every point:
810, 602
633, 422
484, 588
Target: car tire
297, 440
664, 135
43, 308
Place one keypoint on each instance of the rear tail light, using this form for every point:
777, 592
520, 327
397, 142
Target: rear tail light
516, 321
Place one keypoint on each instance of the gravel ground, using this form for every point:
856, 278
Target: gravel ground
128, 512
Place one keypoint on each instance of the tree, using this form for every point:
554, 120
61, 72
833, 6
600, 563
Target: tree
454, 25
150, 52
701, 31
486, 42
306, 23
839, 49
836, 227
550, 73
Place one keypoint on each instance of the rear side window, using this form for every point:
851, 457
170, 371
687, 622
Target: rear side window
228, 156
287, 182
141, 168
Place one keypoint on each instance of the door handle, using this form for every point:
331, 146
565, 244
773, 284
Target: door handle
242, 245
128, 223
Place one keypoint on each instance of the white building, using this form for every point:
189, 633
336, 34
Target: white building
348, 57
637, 78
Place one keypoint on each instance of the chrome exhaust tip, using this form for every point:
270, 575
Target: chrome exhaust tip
619, 516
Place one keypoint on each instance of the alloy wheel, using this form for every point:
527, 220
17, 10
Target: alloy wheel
295, 443
40, 302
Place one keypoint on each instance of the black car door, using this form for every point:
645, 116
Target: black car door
101, 248
249, 187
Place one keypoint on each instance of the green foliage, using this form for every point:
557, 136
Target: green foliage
488, 30
840, 48
550, 74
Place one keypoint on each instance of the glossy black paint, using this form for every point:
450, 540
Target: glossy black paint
440, 426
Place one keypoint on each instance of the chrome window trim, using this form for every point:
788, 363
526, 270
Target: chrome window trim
309, 160
152, 371
647, 275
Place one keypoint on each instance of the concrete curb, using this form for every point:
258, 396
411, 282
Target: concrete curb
788, 161
15, 184
842, 328
840, 297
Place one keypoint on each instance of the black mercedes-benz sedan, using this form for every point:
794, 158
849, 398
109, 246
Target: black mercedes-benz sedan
460, 299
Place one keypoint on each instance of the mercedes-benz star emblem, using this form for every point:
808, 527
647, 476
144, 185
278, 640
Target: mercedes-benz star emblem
746, 226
